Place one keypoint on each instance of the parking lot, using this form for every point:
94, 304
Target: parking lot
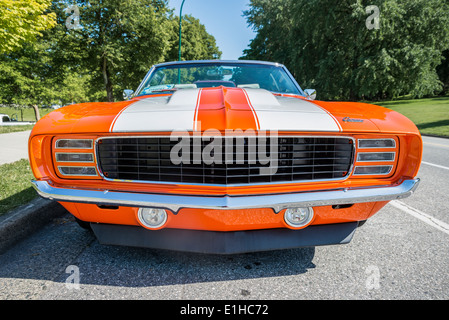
400, 253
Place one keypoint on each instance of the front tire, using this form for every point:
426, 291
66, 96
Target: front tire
83, 224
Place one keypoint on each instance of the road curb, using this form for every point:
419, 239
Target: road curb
433, 136
21, 222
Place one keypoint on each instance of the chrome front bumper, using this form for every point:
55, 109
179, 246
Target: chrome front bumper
277, 202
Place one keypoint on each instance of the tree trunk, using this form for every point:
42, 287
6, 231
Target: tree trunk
107, 80
36, 112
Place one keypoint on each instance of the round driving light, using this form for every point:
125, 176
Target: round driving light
152, 218
298, 217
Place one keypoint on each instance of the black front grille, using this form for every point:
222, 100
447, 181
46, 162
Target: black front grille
239, 162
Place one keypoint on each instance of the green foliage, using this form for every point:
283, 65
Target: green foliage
25, 75
117, 41
328, 46
197, 44
36, 74
120, 40
273, 23
443, 72
22, 21
112, 48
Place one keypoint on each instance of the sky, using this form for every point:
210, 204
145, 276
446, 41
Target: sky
224, 20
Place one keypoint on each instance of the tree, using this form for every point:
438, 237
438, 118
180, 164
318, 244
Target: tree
111, 47
273, 23
38, 74
118, 41
334, 51
22, 22
443, 72
197, 43
26, 77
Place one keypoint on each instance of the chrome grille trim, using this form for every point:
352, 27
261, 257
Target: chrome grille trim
349, 157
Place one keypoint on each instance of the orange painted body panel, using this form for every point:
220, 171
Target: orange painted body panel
407, 167
222, 109
221, 220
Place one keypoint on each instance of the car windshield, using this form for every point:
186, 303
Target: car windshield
205, 75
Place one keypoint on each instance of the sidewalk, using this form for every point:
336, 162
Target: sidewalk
19, 223
14, 146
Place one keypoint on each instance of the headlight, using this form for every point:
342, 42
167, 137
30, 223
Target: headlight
375, 157
75, 159
74, 144
372, 170
77, 171
377, 143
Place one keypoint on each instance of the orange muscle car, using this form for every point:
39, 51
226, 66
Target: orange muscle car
224, 157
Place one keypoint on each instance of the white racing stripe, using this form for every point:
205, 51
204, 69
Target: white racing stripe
168, 113
289, 114
256, 119
178, 112
431, 221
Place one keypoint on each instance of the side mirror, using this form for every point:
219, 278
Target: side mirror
310, 94
127, 94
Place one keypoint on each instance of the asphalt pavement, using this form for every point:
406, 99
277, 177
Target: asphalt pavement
400, 253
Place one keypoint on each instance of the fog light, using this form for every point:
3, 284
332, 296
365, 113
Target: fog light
152, 218
298, 217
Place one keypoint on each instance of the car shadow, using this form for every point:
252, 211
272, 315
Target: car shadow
61, 247
17, 199
140, 267
440, 123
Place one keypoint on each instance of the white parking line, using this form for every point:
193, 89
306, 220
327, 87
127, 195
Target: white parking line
435, 165
440, 225
437, 144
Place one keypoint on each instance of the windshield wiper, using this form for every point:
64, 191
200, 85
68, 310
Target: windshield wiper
158, 91
164, 90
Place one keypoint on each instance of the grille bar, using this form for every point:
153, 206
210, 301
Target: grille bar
295, 159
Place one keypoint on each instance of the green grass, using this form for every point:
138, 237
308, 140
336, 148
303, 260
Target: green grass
9, 129
26, 114
15, 185
431, 115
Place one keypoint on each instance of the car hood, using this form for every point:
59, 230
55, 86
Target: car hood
223, 109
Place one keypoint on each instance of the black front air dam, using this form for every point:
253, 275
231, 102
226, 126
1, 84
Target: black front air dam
213, 242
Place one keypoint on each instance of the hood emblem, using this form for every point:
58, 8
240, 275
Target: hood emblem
347, 119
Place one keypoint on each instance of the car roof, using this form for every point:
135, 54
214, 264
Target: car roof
218, 61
